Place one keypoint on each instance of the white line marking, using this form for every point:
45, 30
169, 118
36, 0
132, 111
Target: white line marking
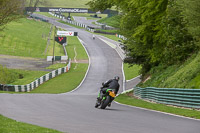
75, 57
157, 111
87, 69
134, 78
124, 80
109, 43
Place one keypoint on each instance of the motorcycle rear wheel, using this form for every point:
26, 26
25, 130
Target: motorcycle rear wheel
105, 103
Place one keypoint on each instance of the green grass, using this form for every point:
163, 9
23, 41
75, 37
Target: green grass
113, 21
109, 31
25, 38
71, 25
58, 49
13, 126
46, 14
112, 37
131, 71
68, 3
186, 75
28, 76
64, 82
56, 66
195, 83
18, 76
67, 81
87, 15
125, 99
75, 45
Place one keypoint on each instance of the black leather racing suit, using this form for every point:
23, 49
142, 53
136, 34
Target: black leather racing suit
110, 84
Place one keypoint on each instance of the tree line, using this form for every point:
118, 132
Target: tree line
158, 32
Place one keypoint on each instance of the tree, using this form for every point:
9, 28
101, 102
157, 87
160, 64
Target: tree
191, 12
36, 3
99, 5
10, 10
6, 76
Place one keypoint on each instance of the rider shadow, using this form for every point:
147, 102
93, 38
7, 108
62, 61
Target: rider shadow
111, 109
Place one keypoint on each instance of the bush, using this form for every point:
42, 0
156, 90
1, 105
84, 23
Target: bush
6, 76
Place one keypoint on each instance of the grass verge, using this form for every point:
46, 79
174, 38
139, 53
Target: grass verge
87, 15
75, 49
131, 71
64, 82
28, 76
112, 37
56, 66
58, 49
113, 21
19, 38
13, 126
71, 24
68, 3
130, 100
186, 75
46, 14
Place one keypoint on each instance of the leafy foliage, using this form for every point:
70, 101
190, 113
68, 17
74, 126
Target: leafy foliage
157, 31
10, 10
113, 21
6, 76
191, 13
99, 5
36, 3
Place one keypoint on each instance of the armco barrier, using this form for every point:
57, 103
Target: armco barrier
37, 82
172, 96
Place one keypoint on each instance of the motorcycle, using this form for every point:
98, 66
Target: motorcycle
93, 37
106, 100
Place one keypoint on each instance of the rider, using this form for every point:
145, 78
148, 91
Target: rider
110, 84
93, 36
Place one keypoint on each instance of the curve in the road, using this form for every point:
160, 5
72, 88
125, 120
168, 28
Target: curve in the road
74, 112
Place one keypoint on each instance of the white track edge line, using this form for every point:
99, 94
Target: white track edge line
87, 69
158, 111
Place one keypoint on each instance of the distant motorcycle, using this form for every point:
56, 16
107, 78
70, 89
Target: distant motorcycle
93, 37
106, 100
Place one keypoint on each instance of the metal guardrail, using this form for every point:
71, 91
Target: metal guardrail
172, 96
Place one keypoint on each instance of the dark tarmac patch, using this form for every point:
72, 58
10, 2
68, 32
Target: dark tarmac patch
25, 63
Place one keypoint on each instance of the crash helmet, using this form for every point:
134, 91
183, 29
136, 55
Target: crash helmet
116, 78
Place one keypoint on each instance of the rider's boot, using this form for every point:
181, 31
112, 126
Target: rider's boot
98, 101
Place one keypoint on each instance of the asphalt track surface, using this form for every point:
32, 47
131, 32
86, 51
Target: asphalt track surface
83, 20
16, 62
74, 112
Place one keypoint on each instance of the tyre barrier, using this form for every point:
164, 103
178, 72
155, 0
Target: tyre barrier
83, 25
37, 82
121, 36
189, 98
73, 22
